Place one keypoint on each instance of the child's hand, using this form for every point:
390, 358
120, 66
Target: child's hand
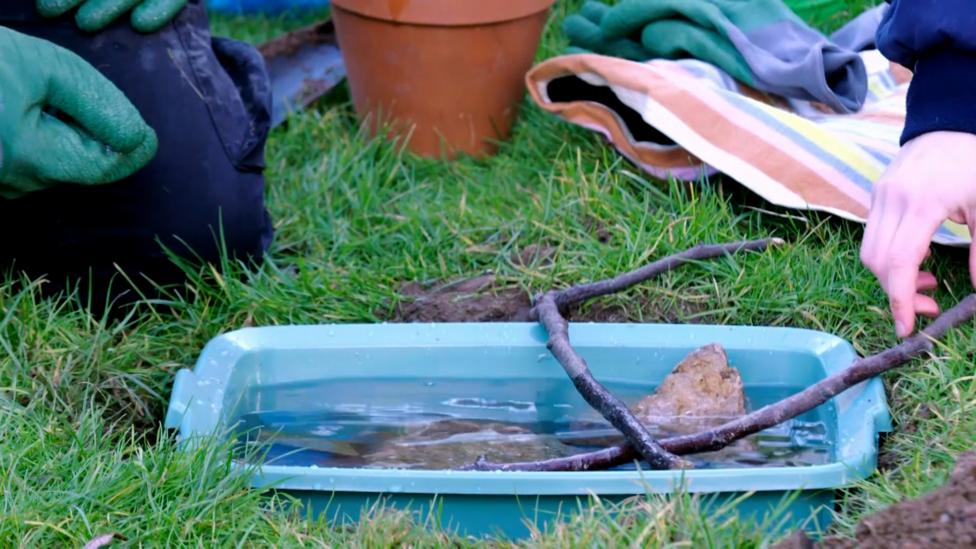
932, 179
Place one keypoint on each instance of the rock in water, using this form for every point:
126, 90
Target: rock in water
454, 443
701, 391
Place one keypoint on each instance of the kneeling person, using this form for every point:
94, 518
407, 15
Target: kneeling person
116, 145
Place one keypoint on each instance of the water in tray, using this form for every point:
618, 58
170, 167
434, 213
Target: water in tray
437, 424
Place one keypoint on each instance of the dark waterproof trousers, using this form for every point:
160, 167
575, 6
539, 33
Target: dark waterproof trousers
208, 99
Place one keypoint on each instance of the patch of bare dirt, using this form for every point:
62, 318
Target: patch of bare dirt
943, 518
479, 299
486, 299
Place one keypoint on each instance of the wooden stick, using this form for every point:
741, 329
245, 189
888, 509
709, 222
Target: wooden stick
767, 416
583, 292
549, 310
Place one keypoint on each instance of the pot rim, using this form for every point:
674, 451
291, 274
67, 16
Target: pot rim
446, 13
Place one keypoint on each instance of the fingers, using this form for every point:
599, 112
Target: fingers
907, 250
60, 152
151, 15
896, 242
926, 282
926, 306
95, 15
54, 8
94, 103
871, 232
887, 210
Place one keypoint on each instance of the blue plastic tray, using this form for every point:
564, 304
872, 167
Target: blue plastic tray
209, 398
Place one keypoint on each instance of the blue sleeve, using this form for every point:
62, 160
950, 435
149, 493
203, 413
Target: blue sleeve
937, 40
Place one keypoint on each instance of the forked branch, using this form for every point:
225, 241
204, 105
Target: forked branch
550, 308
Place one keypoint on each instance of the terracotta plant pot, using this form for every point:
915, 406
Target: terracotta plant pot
448, 73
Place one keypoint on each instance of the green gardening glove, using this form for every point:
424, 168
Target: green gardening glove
94, 15
61, 121
761, 43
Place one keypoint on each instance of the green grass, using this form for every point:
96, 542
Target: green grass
81, 398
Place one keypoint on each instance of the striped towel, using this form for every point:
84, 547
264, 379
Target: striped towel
686, 118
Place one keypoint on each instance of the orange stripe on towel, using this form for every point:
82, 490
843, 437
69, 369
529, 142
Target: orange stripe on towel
712, 120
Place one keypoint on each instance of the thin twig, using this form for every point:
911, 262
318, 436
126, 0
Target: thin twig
768, 416
583, 292
549, 310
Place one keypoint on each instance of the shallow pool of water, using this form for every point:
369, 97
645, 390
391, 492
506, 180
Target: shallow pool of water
435, 424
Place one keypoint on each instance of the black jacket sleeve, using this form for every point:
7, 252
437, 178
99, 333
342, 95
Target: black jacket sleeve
937, 40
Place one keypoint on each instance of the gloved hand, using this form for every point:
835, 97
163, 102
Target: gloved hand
94, 15
61, 121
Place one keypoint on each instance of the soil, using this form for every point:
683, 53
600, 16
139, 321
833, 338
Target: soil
486, 299
945, 517
480, 299
287, 44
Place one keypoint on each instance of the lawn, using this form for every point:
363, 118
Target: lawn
81, 397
